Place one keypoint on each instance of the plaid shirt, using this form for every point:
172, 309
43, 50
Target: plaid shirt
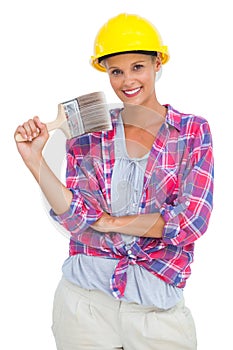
178, 182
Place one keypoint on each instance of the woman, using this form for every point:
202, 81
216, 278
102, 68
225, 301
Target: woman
136, 199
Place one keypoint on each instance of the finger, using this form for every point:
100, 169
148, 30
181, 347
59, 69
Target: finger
35, 130
37, 121
28, 130
21, 131
41, 126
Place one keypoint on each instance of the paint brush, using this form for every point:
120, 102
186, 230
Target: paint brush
81, 115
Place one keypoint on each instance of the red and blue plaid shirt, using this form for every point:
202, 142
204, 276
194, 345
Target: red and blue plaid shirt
178, 182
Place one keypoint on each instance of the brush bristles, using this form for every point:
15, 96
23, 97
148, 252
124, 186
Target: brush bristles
87, 113
94, 112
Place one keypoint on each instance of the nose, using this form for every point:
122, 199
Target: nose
128, 79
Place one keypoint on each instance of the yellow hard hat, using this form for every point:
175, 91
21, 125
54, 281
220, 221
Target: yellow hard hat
127, 33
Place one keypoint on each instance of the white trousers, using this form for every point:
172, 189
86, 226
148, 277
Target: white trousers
84, 319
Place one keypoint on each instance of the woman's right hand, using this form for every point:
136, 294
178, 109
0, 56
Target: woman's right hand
36, 135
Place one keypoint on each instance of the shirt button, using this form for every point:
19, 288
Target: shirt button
187, 203
129, 252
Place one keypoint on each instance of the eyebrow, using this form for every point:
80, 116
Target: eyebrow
132, 64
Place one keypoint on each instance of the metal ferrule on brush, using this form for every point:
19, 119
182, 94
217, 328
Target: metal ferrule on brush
74, 118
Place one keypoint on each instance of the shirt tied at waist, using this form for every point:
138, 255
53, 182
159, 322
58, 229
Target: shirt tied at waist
130, 255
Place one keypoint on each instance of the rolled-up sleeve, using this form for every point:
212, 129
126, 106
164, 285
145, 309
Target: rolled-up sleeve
85, 208
187, 218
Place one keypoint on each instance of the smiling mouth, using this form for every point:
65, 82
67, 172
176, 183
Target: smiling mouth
132, 93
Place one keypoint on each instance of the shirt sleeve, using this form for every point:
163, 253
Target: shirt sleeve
85, 208
187, 218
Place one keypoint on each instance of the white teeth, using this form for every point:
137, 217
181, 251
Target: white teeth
131, 92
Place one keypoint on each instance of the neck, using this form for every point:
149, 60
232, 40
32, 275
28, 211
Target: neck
143, 116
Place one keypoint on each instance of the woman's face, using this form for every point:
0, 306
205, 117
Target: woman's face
132, 77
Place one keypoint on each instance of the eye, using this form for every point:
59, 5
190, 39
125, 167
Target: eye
138, 66
116, 72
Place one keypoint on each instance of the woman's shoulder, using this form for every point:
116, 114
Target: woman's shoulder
184, 120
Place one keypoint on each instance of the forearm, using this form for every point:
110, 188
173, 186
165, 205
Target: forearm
36, 135
58, 196
143, 225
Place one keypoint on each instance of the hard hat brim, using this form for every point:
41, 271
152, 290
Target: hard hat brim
96, 61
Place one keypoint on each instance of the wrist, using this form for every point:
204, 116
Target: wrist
105, 223
108, 224
36, 166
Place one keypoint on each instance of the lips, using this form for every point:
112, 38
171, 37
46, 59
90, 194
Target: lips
133, 92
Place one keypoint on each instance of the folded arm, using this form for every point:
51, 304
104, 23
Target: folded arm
143, 225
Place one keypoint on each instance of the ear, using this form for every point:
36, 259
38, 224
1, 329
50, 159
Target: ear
158, 63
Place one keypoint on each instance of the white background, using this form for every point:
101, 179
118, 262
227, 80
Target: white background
44, 60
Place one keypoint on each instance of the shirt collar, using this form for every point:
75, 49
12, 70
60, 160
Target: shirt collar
173, 117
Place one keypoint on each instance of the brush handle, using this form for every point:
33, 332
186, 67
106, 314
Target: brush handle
59, 123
